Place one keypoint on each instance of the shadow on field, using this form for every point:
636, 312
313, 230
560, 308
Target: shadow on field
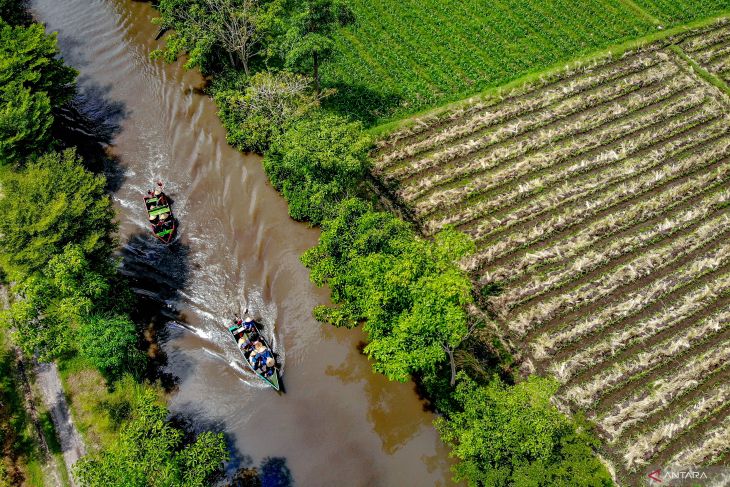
361, 102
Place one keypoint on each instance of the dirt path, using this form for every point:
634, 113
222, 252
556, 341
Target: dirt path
49, 384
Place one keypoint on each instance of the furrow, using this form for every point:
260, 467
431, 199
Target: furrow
588, 393
639, 450
705, 40
547, 343
611, 345
715, 443
602, 229
640, 267
568, 217
645, 130
642, 404
515, 128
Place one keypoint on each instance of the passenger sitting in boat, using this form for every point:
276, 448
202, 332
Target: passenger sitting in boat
260, 357
250, 344
153, 220
161, 198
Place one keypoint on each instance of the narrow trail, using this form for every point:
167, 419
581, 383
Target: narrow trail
49, 384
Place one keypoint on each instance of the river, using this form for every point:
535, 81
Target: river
338, 424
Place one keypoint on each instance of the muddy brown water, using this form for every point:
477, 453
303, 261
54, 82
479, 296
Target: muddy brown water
338, 424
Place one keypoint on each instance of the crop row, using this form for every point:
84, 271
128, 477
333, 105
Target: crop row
596, 257
704, 41
643, 404
614, 343
639, 450
627, 85
529, 96
489, 225
587, 393
593, 259
518, 107
601, 229
715, 443
643, 127
641, 266
634, 302
568, 217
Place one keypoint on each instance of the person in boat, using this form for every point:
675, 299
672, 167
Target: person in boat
154, 220
249, 344
161, 197
262, 359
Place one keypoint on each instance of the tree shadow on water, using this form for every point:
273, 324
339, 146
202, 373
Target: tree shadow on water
272, 472
90, 123
157, 274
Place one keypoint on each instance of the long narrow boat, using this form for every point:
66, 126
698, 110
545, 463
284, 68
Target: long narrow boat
159, 208
238, 332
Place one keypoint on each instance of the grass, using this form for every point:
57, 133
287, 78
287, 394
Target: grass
403, 56
97, 410
597, 199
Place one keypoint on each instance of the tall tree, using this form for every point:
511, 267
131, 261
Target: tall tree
309, 39
47, 205
241, 28
150, 453
408, 292
507, 436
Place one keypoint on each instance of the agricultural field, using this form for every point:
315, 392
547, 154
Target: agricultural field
711, 50
404, 55
599, 199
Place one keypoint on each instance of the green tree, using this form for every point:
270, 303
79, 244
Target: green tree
47, 205
515, 436
15, 12
309, 40
30, 57
52, 303
204, 29
150, 453
264, 108
109, 343
25, 122
317, 163
408, 292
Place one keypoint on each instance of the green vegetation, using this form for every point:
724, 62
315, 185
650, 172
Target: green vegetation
52, 202
404, 56
257, 110
149, 451
33, 82
316, 163
515, 436
673, 12
407, 291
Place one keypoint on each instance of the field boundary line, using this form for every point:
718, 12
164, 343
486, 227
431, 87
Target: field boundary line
496, 92
631, 5
701, 72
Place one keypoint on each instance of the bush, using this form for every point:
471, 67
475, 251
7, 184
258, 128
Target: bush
255, 115
109, 342
514, 436
317, 163
51, 203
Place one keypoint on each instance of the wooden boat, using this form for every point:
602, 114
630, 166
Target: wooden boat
238, 332
166, 225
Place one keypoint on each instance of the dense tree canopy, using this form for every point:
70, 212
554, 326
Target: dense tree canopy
47, 205
408, 291
318, 162
150, 453
54, 302
308, 41
515, 436
213, 31
261, 110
